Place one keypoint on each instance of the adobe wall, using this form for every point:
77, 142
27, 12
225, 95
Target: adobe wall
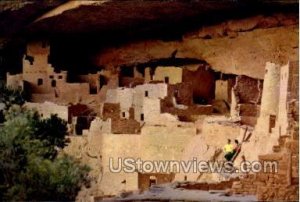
182, 92
282, 120
46, 109
173, 73
160, 178
124, 96
270, 97
39, 52
205, 146
263, 137
248, 89
118, 146
203, 82
120, 124
100, 126
92, 79
221, 90
14, 81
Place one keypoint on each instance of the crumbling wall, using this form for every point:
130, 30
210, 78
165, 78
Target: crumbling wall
120, 125
182, 92
145, 179
14, 81
270, 97
208, 146
171, 75
124, 96
248, 89
221, 90
203, 83
46, 109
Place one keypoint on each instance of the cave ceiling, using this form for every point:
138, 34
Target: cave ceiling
79, 29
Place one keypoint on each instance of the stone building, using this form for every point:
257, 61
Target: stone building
40, 79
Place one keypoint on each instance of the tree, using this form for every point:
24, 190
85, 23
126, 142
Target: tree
29, 166
9, 96
43, 179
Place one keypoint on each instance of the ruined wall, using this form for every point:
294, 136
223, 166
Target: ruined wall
270, 97
46, 109
144, 179
206, 146
124, 96
265, 135
221, 90
92, 79
120, 125
171, 75
248, 89
14, 81
203, 83
280, 185
182, 92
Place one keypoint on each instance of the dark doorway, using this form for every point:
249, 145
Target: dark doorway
166, 79
152, 181
93, 90
103, 81
40, 82
53, 83
142, 117
127, 72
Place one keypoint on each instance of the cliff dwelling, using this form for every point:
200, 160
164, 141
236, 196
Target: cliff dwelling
164, 81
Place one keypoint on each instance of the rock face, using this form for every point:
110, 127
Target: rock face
239, 47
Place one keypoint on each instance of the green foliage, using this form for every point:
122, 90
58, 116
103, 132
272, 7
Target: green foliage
29, 166
51, 180
9, 96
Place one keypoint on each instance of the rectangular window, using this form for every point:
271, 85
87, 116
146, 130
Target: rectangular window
51, 77
146, 94
123, 114
40, 82
166, 79
53, 83
60, 77
142, 117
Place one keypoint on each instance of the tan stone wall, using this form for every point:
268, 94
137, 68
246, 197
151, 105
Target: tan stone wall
14, 81
46, 109
174, 74
270, 97
221, 91
92, 79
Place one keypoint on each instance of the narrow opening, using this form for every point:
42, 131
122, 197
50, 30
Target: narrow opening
127, 72
40, 82
152, 181
142, 117
146, 93
166, 79
123, 114
30, 59
53, 83
185, 178
60, 77
93, 90
272, 122
176, 93
51, 77
103, 81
